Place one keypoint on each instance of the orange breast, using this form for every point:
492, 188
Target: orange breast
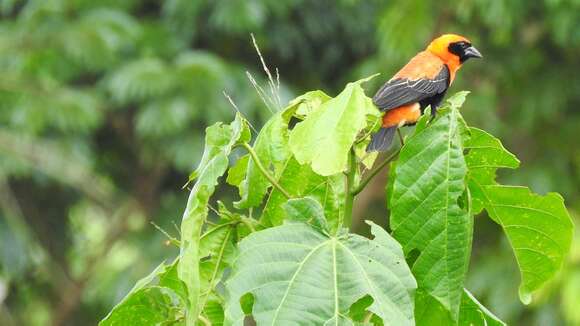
402, 115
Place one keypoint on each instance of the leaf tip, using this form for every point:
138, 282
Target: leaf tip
525, 296
457, 100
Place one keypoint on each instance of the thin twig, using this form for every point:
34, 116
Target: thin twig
374, 172
176, 228
260, 92
275, 94
171, 239
210, 223
213, 209
264, 171
236, 109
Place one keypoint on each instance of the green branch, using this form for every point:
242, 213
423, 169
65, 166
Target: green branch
348, 194
264, 171
373, 173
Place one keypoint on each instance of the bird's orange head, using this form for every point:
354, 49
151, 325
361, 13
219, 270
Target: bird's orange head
453, 49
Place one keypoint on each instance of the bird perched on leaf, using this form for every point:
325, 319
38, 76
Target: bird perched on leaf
420, 83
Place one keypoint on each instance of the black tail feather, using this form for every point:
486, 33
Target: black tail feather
382, 140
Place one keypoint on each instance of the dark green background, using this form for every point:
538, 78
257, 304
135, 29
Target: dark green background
103, 106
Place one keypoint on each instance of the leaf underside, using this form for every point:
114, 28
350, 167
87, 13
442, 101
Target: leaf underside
298, 275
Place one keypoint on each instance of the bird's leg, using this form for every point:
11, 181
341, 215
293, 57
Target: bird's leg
401, 137
433, 112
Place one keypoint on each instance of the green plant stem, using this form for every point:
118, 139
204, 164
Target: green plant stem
348, 194
246, 222
373, 173
264, 171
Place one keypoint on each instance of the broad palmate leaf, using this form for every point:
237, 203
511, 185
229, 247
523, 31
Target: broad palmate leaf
538, 228
428, 216
300, 276
219, 141
325, 137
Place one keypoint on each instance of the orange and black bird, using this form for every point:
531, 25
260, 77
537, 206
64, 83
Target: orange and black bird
420, 83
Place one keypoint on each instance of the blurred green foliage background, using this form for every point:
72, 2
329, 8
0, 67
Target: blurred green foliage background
103, 106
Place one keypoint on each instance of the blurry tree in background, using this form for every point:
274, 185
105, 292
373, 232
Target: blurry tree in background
103, 106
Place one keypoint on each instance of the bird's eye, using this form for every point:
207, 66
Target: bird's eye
457, 48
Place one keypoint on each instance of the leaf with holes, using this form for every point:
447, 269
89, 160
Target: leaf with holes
298, 275
325, 137
219, 141
538, 228
485, 155
306, 103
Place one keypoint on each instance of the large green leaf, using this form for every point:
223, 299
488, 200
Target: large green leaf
299, 276
428, 217
300, 181
538, 228
325, 137
220, 139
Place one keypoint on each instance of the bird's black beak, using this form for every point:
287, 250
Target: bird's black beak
472, 52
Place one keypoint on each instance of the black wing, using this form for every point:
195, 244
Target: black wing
400, 91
